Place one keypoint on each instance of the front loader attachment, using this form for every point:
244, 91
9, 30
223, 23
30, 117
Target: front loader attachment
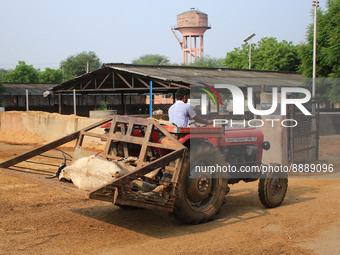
153, 160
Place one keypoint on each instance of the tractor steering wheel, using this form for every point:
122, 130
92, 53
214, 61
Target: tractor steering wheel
196, 125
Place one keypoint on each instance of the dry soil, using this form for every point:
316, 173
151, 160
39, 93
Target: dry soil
36, 219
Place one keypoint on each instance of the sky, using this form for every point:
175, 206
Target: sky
44, 32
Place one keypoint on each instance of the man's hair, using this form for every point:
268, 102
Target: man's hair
181, 93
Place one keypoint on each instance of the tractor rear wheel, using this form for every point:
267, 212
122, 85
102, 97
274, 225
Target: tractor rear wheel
200, 196
272, 189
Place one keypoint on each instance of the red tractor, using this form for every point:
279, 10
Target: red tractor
222, 156
184, 171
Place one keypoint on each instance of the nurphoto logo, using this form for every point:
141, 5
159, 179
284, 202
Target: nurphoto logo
238, 99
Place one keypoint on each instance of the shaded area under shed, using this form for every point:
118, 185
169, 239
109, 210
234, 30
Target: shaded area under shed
125, 79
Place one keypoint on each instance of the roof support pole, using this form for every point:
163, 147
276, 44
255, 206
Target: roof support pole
60, 99
74, 102
27, 107
123, 103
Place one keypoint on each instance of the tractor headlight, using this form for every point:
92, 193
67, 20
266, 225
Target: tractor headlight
266, 145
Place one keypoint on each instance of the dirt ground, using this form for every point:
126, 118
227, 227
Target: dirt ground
36, 219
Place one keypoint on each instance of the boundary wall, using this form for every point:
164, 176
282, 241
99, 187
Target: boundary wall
49, 126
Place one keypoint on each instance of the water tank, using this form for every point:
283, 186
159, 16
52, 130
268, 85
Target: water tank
192, 25
192, 22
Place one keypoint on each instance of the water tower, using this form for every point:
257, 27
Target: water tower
192, 25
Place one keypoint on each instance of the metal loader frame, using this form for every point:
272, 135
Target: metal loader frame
121, 133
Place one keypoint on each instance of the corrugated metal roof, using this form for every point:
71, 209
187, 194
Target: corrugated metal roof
195, 75
178, 76
17, 89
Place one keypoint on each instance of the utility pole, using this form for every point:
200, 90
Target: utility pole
314, 127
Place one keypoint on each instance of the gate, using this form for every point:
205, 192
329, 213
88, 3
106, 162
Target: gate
303, 140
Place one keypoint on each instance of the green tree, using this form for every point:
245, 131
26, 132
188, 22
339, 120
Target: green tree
276, 56
2, 74
76, 65
328, 46
150, 59
327, 52
208, 61
51, 76
22, 74
268, 54
239, 57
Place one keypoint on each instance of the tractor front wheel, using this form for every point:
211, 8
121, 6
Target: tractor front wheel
200, 196
272, 189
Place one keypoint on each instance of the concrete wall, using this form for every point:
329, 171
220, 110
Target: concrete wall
329, 123
49, 126
277, 136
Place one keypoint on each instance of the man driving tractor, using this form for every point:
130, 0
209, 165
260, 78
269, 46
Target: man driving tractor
181, 111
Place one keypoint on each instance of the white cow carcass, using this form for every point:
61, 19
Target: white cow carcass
90, 173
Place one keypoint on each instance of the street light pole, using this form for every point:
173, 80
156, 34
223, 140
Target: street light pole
249, 54
246, 40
